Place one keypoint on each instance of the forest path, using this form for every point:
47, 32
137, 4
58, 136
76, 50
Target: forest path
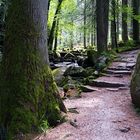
105, 114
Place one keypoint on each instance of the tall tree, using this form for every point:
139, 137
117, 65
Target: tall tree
113, 26
102, 12
85, 21
28, 93
136, 5
93, 23
124, 21
54, 25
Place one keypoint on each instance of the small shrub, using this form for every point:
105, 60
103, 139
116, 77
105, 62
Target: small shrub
44, 126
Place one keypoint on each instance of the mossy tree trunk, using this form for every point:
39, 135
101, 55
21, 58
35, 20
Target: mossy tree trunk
28, 93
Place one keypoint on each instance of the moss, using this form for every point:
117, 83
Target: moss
28, 93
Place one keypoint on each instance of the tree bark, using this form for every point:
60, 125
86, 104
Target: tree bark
136, 5
124, 21
28, 93
102, 24
52, 32
92, 24
56, 36
85, 28
113, 27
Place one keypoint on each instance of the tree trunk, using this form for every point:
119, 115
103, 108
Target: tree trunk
102, 24
136, 5
92, 23
113, 27
52, 32
85, 28
118, 20
28, 93
56, 36
124, 21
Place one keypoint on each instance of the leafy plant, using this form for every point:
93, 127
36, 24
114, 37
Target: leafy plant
44, 126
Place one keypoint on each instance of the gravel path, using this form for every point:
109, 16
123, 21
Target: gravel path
106, 114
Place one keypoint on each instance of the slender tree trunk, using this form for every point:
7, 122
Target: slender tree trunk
118, 20
124, 21
49, 2
92, 23
85, 28
102, 24
113, 27
94, 35
56, 36
52, 32
136, 5
28, 93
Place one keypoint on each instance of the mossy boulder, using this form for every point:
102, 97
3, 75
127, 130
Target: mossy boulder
75, 72
135, 84
101, 63
88, 61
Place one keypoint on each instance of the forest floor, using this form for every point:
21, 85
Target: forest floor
105, 114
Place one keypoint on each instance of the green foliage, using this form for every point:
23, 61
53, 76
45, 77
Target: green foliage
66, 87
137, 17
88, 79
66, 25
110, 55
56, 72
44, 126
130, 44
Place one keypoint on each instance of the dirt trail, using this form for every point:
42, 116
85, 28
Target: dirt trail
106, 114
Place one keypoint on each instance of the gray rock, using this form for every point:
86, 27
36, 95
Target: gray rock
125, 129
130, 65
135, 84
118, 69
110, 84
113, 89
124, 72
75, 72
88, 88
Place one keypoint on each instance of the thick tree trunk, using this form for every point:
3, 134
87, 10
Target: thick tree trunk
28, 93
102, 24
136, 5
124, 21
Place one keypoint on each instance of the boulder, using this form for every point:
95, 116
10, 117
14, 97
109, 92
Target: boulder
101, 63
75, 72
135, 84
80, 60
88, 61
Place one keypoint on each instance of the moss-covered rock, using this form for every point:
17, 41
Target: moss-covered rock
75, 72
135, 84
